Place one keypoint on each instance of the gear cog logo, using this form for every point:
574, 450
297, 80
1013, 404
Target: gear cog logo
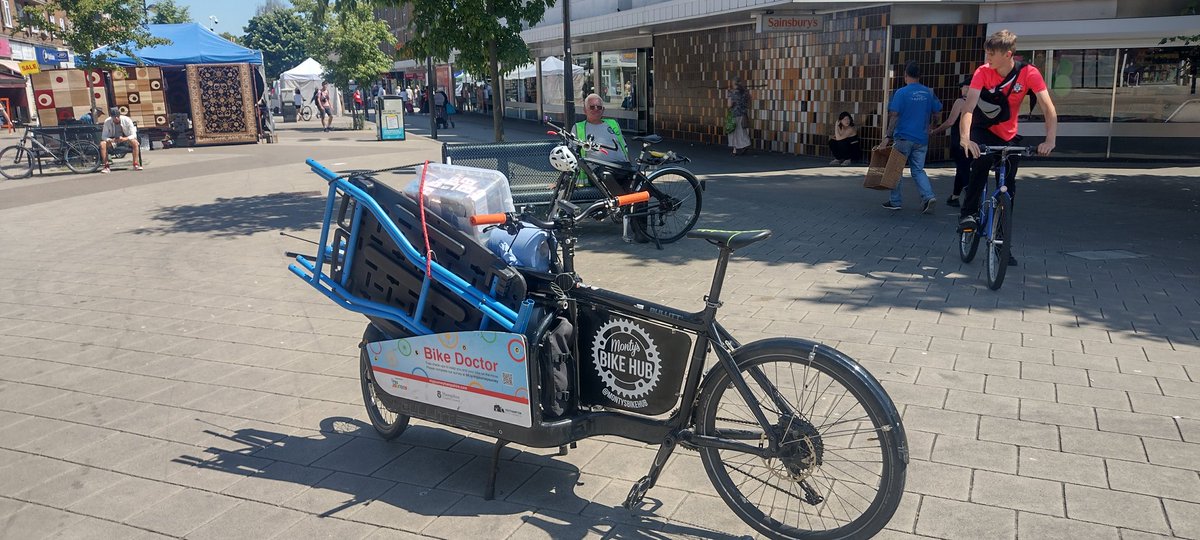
626, 359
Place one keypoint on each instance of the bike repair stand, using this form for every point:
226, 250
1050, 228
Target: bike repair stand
639, 489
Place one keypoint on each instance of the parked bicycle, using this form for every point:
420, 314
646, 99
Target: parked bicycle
995, 218
16, 161
675, 193
799, 439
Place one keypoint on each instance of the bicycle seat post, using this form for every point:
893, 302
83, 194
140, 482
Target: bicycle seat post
713, 300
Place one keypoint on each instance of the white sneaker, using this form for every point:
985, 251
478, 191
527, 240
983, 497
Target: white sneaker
105, 170
836, 162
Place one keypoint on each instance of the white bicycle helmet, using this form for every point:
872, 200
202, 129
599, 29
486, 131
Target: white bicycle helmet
563, 159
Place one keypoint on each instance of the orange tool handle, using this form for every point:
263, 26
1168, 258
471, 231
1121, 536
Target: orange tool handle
489, 219
633, 198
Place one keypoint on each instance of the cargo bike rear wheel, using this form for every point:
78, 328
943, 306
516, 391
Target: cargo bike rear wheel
387, 424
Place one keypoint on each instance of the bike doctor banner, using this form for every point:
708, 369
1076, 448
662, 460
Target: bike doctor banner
479, 373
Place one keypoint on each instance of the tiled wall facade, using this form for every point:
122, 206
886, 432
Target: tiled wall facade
800, 82
947, 53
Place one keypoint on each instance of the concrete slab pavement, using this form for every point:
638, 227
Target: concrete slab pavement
163, 375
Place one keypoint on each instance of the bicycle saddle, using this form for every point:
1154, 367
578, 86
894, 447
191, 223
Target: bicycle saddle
649, 139
731, 240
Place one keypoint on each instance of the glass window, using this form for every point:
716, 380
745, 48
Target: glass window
8, 20
584, 83
520, 85
618, 80
1081, 84
1156, 85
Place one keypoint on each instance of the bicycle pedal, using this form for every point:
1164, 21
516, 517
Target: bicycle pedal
637, 493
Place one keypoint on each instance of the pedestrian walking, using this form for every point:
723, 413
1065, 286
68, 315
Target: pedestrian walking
912, 111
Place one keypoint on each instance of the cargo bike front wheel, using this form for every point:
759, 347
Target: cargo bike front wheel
388, 424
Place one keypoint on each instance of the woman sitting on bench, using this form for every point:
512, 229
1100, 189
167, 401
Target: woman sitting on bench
119, 129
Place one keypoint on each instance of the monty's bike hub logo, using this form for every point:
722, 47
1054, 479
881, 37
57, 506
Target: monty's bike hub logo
627, 361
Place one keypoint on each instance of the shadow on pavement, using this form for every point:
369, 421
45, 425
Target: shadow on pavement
238, 216
344, 493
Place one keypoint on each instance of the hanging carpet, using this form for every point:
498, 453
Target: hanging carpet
62, 94
222, 99
138, 92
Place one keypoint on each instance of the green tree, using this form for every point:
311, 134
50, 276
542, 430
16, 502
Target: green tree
168, 12
231, 37
350, 48
485, 33
282, 35
115, 25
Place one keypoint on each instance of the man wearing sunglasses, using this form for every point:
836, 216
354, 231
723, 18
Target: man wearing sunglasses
605, 131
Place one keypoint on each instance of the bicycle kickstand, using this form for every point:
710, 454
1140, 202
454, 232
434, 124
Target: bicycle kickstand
638, 492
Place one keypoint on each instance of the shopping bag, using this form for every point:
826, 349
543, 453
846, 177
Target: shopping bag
450, 108
730, 123
887, 164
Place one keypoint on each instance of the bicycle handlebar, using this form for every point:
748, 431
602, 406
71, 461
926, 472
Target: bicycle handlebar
513, 219
1009, 150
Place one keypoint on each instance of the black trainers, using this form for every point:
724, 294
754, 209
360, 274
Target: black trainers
927, 206
1012, 261
953, 201
968, 223
891, 206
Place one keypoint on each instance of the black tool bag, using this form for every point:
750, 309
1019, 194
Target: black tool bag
993, 107
558, 367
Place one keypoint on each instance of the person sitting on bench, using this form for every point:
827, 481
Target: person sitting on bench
118, 129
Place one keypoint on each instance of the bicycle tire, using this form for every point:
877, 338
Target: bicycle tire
82, 157
16, 162
968, 245
306, 113
880, 443
998, 246
387, 424
674, 205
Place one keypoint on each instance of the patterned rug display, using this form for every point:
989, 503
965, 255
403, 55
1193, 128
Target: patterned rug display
222, 99
61, 94
140, 95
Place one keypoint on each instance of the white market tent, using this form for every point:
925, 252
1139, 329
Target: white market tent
552, 77
307, 77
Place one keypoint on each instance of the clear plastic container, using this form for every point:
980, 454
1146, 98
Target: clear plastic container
456, 193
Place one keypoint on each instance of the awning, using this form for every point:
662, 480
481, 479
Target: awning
10, 75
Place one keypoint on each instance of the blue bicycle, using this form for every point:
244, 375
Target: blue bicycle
995, 218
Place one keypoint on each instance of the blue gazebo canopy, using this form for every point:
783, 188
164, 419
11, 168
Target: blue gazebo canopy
191, 43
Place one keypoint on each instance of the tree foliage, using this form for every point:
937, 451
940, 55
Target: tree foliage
113, 24
282, 35
350, 46
268, 6
231, 37
168, 12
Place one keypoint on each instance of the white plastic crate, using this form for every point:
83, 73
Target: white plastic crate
456, 193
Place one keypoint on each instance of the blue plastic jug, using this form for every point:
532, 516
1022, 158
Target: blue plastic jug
530, 248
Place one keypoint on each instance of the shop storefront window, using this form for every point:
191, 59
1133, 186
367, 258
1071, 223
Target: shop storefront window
1156, 85
584, 78
1081, 82
618, 80
520, 85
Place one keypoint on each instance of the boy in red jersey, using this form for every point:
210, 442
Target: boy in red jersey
997, 92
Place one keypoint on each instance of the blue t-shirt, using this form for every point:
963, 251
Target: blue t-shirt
915, 103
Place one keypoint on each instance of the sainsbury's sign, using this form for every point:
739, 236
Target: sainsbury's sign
790, 23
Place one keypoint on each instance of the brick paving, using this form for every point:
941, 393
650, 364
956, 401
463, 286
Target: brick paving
163, 375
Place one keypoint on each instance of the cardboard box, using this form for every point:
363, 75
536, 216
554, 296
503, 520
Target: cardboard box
887, 164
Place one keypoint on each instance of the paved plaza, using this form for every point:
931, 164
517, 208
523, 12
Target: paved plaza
162, 374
